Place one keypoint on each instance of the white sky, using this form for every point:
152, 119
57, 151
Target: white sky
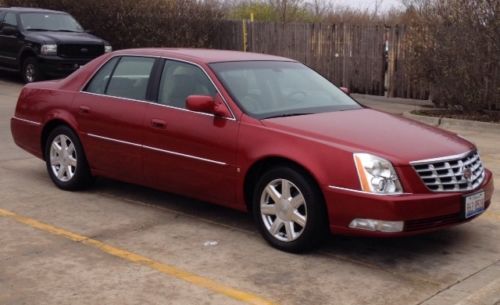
369, 4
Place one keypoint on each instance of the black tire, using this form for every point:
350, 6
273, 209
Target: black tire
316, 225
80, 177
31, 70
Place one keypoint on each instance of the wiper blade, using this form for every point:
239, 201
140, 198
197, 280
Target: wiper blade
34, 29
69, 31
287, 114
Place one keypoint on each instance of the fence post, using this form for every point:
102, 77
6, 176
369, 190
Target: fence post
245, 37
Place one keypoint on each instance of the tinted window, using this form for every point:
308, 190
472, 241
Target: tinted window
130, 78
100, 80
10, 19
49, 22
179, 80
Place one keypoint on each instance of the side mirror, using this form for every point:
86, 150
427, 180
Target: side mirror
207, 104
346, 90
9, 30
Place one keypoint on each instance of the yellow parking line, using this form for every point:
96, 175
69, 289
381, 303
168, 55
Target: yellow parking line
493, 215
142, 260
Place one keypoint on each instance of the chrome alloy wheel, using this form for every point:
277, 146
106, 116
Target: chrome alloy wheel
63, 158
283, 210
30, 72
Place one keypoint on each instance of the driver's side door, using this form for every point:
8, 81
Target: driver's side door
188, 152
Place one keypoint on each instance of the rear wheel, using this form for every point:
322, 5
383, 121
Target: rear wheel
65, 160
289, 210
31, 70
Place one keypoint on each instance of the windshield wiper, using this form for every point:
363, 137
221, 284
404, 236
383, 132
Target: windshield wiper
69, 31
39, 30
287, 114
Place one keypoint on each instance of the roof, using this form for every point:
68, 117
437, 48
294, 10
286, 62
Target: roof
28, 10
204, 55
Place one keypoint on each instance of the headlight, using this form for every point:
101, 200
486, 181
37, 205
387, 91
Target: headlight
108, 48
377, 175
48, 49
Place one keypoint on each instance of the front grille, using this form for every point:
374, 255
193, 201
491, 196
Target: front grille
461, 173
80, 51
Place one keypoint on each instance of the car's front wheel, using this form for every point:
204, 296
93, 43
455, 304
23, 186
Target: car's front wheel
289, 210
65, 160
31, 70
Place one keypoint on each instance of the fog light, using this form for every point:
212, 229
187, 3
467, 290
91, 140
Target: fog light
377, 225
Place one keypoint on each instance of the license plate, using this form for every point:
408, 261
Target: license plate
474, 204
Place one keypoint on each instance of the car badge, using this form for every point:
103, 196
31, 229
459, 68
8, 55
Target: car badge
467, 173
84, 50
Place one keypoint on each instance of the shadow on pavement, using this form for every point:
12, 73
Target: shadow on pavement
382, 252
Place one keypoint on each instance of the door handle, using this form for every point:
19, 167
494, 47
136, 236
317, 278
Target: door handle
155, 123
84, 110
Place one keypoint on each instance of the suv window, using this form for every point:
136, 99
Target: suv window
179, 80
10, 19
100, 81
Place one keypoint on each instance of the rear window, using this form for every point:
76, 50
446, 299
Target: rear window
126, 77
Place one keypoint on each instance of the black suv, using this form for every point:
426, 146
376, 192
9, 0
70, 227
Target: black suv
44, 43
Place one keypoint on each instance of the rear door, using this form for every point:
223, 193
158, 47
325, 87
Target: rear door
110, 113
188, 152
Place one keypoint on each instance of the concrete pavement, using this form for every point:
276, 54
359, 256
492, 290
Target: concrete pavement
460, 264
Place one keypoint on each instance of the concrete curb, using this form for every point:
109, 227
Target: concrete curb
447, 122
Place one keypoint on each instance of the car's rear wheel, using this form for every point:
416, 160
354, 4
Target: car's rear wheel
289, 210
31, 70
65, 160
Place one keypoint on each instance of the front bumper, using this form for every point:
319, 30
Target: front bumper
58, 67
420, 212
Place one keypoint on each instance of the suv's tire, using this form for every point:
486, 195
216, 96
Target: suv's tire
284, 220
31, 70
65, 159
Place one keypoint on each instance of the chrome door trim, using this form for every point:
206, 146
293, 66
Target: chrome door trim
184, 155
157, 149
113, 140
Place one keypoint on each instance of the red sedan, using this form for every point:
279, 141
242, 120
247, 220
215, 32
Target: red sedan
251, 132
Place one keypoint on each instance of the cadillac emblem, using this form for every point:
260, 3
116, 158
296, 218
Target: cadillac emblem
467, 173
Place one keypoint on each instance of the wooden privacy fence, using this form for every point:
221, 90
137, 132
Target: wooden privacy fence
365, 58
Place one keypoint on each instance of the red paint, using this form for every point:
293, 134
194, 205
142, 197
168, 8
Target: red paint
227, 145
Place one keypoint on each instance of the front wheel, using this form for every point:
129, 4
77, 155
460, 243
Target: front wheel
65, 160
31, 70
289, 210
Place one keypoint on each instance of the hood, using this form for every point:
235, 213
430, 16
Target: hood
64, 38
395, 138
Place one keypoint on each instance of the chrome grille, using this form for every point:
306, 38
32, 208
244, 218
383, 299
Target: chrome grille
451, 174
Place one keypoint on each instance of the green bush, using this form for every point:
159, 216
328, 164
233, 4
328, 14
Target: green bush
142, 23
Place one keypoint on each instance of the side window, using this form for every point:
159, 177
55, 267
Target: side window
10, 19
100, 81
180, 80
130, 78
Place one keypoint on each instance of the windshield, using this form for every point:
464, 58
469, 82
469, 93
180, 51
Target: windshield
266, 89
50, 22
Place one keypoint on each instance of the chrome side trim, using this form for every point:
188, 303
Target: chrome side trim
446, 158
113, 140
232, 118
183, 155
27, 121
363, 192
154, 104
157, 149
